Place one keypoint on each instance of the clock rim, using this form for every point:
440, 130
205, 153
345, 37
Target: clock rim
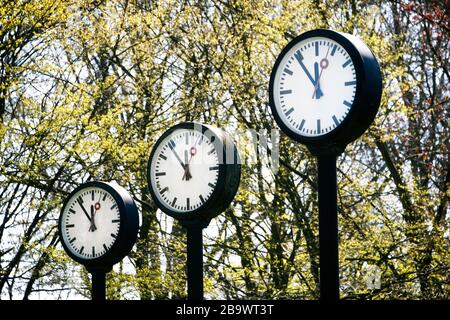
128, 228
340, 134
220, 195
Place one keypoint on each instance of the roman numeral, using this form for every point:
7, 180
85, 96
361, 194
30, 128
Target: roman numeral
158, 174
350, 83
285, 92
289, 72
346, 63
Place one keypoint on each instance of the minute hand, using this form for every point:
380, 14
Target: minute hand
299, 58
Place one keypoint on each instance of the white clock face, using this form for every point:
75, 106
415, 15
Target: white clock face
314, 86
184, 170
90, 223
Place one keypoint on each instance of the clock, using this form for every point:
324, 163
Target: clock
98, 224
193, 171
325, 89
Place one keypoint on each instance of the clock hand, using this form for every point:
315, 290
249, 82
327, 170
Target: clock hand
84, 210
187, 173
300, 61
178, 158
323, 65
92, 227
317, 92
192, 151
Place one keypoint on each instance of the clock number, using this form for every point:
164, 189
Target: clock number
316, 44
159, 174
350, 83
283, 92
318, 126
163, 157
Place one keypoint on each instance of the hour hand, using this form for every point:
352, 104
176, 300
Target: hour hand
317, 91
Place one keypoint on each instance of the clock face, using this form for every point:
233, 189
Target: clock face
314, 86
90, 223
184, 170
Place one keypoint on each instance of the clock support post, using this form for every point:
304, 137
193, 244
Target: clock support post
98, 276
328, 228
194, 230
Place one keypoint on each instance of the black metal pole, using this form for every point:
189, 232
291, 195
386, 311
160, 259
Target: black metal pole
98, 284
195, 260
328, 228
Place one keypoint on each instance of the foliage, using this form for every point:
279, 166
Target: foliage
86, 87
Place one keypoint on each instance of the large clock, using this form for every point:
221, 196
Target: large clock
98, 224
193, 171
325, 88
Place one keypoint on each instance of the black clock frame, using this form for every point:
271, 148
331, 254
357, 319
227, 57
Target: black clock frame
367, 96
227, 181
128, 228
